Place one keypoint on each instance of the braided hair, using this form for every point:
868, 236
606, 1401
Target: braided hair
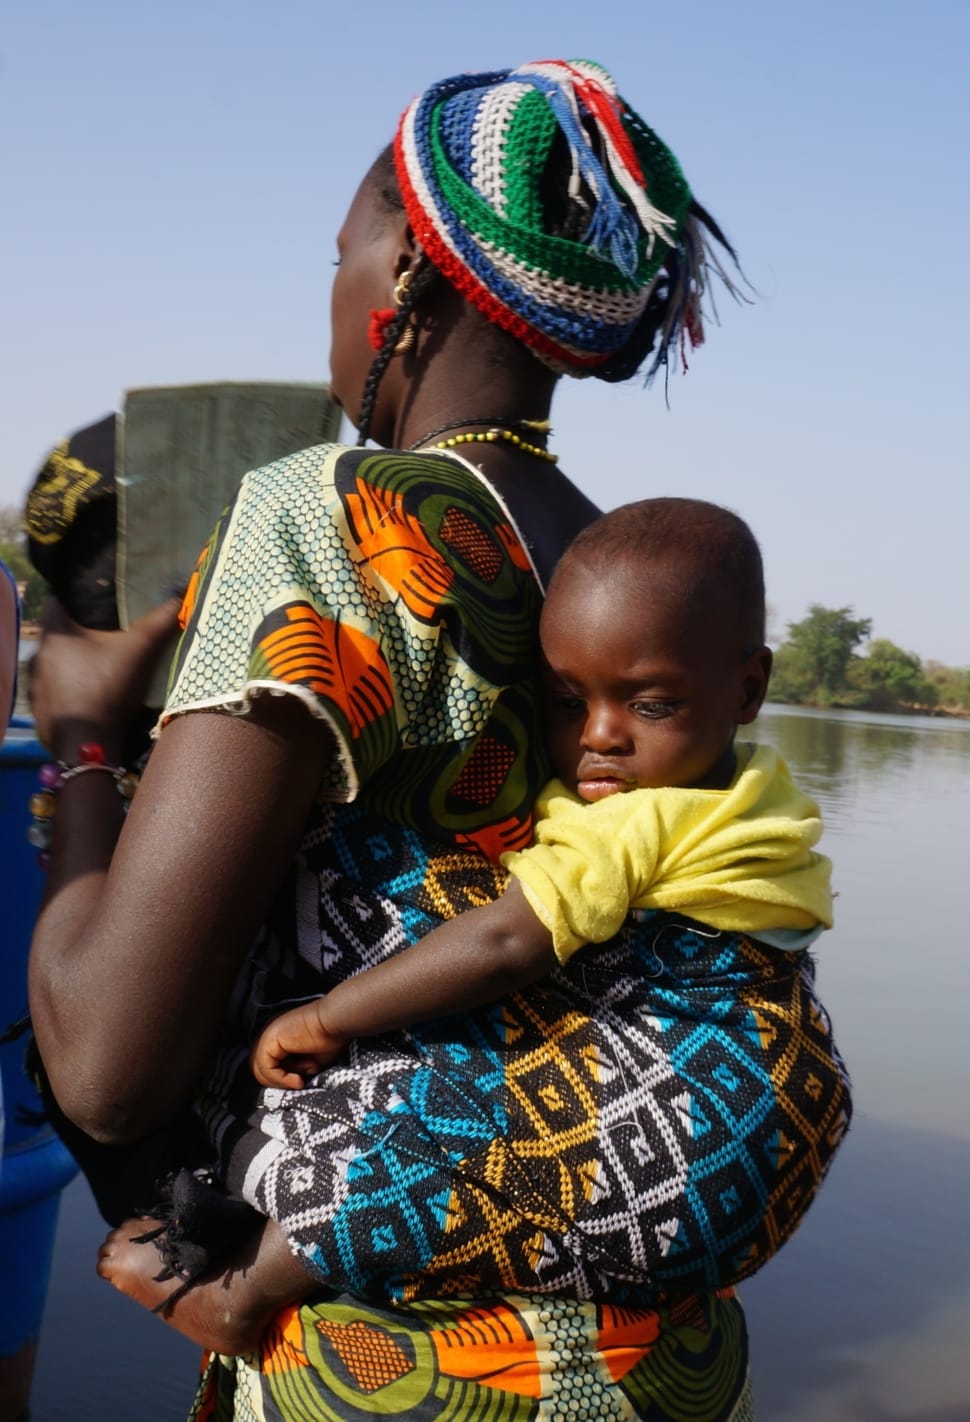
424, 279
659, 330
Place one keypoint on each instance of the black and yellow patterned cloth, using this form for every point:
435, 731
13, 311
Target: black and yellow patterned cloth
71, 517
71, 521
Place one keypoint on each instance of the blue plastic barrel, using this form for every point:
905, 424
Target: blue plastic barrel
35, 1166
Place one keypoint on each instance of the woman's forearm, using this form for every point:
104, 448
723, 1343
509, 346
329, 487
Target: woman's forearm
90, 814
136, 950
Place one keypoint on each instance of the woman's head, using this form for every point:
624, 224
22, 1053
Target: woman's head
380, 261
542, 198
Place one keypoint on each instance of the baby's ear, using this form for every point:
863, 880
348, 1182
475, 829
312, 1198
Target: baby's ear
754, 677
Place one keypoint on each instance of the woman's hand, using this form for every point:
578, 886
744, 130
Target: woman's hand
88, 685
294, 1047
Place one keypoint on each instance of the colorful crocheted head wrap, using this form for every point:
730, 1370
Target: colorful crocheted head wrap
472, 155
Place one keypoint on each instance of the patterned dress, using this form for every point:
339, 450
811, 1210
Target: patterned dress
486, 1192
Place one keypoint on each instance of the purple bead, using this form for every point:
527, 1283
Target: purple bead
44, 859
50, 776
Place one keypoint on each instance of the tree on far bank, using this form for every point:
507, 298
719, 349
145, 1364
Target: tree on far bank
813, 664
13, 551
820, 665
889, 677
952, 685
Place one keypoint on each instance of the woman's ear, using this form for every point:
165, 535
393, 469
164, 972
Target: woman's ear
410, 256
754, 678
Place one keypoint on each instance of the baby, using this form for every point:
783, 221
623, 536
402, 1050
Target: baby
652, 639
653, 653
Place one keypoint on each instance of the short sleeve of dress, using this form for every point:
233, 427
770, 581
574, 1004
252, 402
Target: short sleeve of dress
389, 592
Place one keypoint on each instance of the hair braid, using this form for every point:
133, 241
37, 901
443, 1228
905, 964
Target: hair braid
425, 276
655, 332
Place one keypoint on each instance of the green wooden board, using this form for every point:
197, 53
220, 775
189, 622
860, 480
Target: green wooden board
182, 452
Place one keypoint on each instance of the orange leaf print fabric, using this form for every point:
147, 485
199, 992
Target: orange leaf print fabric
334, 660
397, 549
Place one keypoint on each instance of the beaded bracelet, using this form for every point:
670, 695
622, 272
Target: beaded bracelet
54, 775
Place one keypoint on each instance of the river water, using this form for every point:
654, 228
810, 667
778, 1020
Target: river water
865, 1315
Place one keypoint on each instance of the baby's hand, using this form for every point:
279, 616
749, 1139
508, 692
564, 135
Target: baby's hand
293, 1048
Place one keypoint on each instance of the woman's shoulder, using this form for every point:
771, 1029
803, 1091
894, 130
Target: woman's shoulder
281, 474
403, 477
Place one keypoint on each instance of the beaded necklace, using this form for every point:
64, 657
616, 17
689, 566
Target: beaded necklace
497, 430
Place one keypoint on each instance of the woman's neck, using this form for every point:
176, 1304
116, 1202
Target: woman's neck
546, 508
464, 372
427, 423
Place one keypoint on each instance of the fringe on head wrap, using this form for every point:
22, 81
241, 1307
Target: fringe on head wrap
472, 155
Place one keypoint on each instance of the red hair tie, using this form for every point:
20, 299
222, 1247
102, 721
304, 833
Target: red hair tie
378, 324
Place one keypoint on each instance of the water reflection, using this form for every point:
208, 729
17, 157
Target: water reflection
875, 1289
864, 1316
823, 742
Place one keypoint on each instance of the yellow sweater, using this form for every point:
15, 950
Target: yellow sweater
739, 858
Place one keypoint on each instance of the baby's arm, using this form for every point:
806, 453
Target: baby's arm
475, 958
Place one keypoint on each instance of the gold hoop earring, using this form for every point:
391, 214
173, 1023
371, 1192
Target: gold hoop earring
401, 287
407, 337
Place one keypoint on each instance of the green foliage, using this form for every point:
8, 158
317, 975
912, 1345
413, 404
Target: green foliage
813, 665
13, 552
791, 677
824, 643
33, 597
951, 684
13, 548
819, 665
11, 525
890, 677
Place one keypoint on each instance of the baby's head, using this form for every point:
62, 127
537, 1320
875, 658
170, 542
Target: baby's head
653, 642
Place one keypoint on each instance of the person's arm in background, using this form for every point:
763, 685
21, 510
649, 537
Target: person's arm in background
475, 958
9, 644
141, 933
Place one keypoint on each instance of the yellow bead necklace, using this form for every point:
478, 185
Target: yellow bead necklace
489, 436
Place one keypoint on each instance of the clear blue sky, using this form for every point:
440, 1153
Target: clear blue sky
174, 175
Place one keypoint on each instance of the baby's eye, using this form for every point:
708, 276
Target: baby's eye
654, 710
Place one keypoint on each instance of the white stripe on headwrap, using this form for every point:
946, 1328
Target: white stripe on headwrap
492, 120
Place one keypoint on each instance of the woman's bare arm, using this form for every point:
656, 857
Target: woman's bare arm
476, 958
140, 936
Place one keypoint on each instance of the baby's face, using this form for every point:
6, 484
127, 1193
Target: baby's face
639, 691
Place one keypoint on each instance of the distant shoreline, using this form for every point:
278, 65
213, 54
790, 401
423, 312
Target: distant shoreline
939, 713
32, 631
